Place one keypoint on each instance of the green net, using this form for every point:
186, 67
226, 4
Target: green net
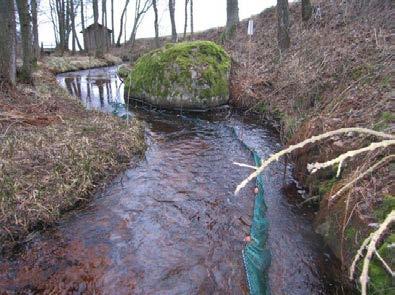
255, 255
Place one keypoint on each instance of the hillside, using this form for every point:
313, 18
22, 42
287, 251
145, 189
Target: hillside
336, 74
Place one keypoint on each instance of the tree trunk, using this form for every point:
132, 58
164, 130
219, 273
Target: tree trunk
73, 34
191, 17
121, 23
112, 23
124, 26
36, 45
74, 31
283, 25
67, 24
172, 4
97, 31
52, 11
83, 22
186, 19
7, 42
232, 16
104, 12
26, 36
156, 24
62, 20
307, 10
139, 13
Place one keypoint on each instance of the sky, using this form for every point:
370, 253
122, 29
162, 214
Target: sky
207, 14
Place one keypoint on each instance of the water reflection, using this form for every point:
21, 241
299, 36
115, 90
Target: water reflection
98, 89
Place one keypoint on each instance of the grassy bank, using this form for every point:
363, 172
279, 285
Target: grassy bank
55, 154
62, 64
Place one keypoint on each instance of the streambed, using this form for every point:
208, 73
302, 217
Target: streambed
172, 225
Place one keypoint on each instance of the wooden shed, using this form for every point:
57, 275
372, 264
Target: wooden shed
97, 32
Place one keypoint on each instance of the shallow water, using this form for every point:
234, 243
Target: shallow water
172, 225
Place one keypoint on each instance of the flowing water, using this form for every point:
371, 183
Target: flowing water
172, 225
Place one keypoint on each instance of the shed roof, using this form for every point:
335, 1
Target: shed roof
92, 26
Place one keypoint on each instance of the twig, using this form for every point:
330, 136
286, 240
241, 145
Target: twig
9, 126
358, 256
372, 248
386, 266
277, 156
245, 165
360, 176
312, 168
309, 200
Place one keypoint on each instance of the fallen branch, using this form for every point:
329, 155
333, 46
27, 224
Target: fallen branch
313, 168
371, 249
360, 176
277, 156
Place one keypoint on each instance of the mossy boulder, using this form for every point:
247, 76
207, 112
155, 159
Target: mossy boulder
123, 71
188, 75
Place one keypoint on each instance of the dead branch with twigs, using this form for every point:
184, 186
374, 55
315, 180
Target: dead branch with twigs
370, 244
360, 176
314, 167
390, 140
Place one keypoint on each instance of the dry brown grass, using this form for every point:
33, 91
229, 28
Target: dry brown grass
54, 154
61, 64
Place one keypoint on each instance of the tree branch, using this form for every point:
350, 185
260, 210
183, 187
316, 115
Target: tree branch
313, 168
360, 176
277, 156
371, 249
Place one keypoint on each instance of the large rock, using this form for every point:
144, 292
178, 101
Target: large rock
188, 75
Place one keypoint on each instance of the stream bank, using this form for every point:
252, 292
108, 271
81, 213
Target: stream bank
55, 154
172, 224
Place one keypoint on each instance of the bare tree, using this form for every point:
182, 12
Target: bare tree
191, 17
61, 20
83, 20
27, 42
186, 19
97, 32
53, 17
7, 41
104, 12
156, 26
121, 22
283, 25
307, 10
36, 46
139, 13
73, 8
172, 8
232, 16
112, 23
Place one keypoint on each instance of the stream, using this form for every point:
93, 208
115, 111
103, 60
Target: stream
172, 225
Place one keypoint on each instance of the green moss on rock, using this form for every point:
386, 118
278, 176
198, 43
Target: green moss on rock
123, 71
186, 75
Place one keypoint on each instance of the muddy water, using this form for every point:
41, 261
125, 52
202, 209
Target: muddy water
171, 225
